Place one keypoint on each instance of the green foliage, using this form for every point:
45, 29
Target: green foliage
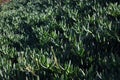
60, 40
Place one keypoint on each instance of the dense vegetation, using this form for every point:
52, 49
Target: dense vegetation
60, 40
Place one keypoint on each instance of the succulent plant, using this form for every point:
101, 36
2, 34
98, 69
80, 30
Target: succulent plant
60, 40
